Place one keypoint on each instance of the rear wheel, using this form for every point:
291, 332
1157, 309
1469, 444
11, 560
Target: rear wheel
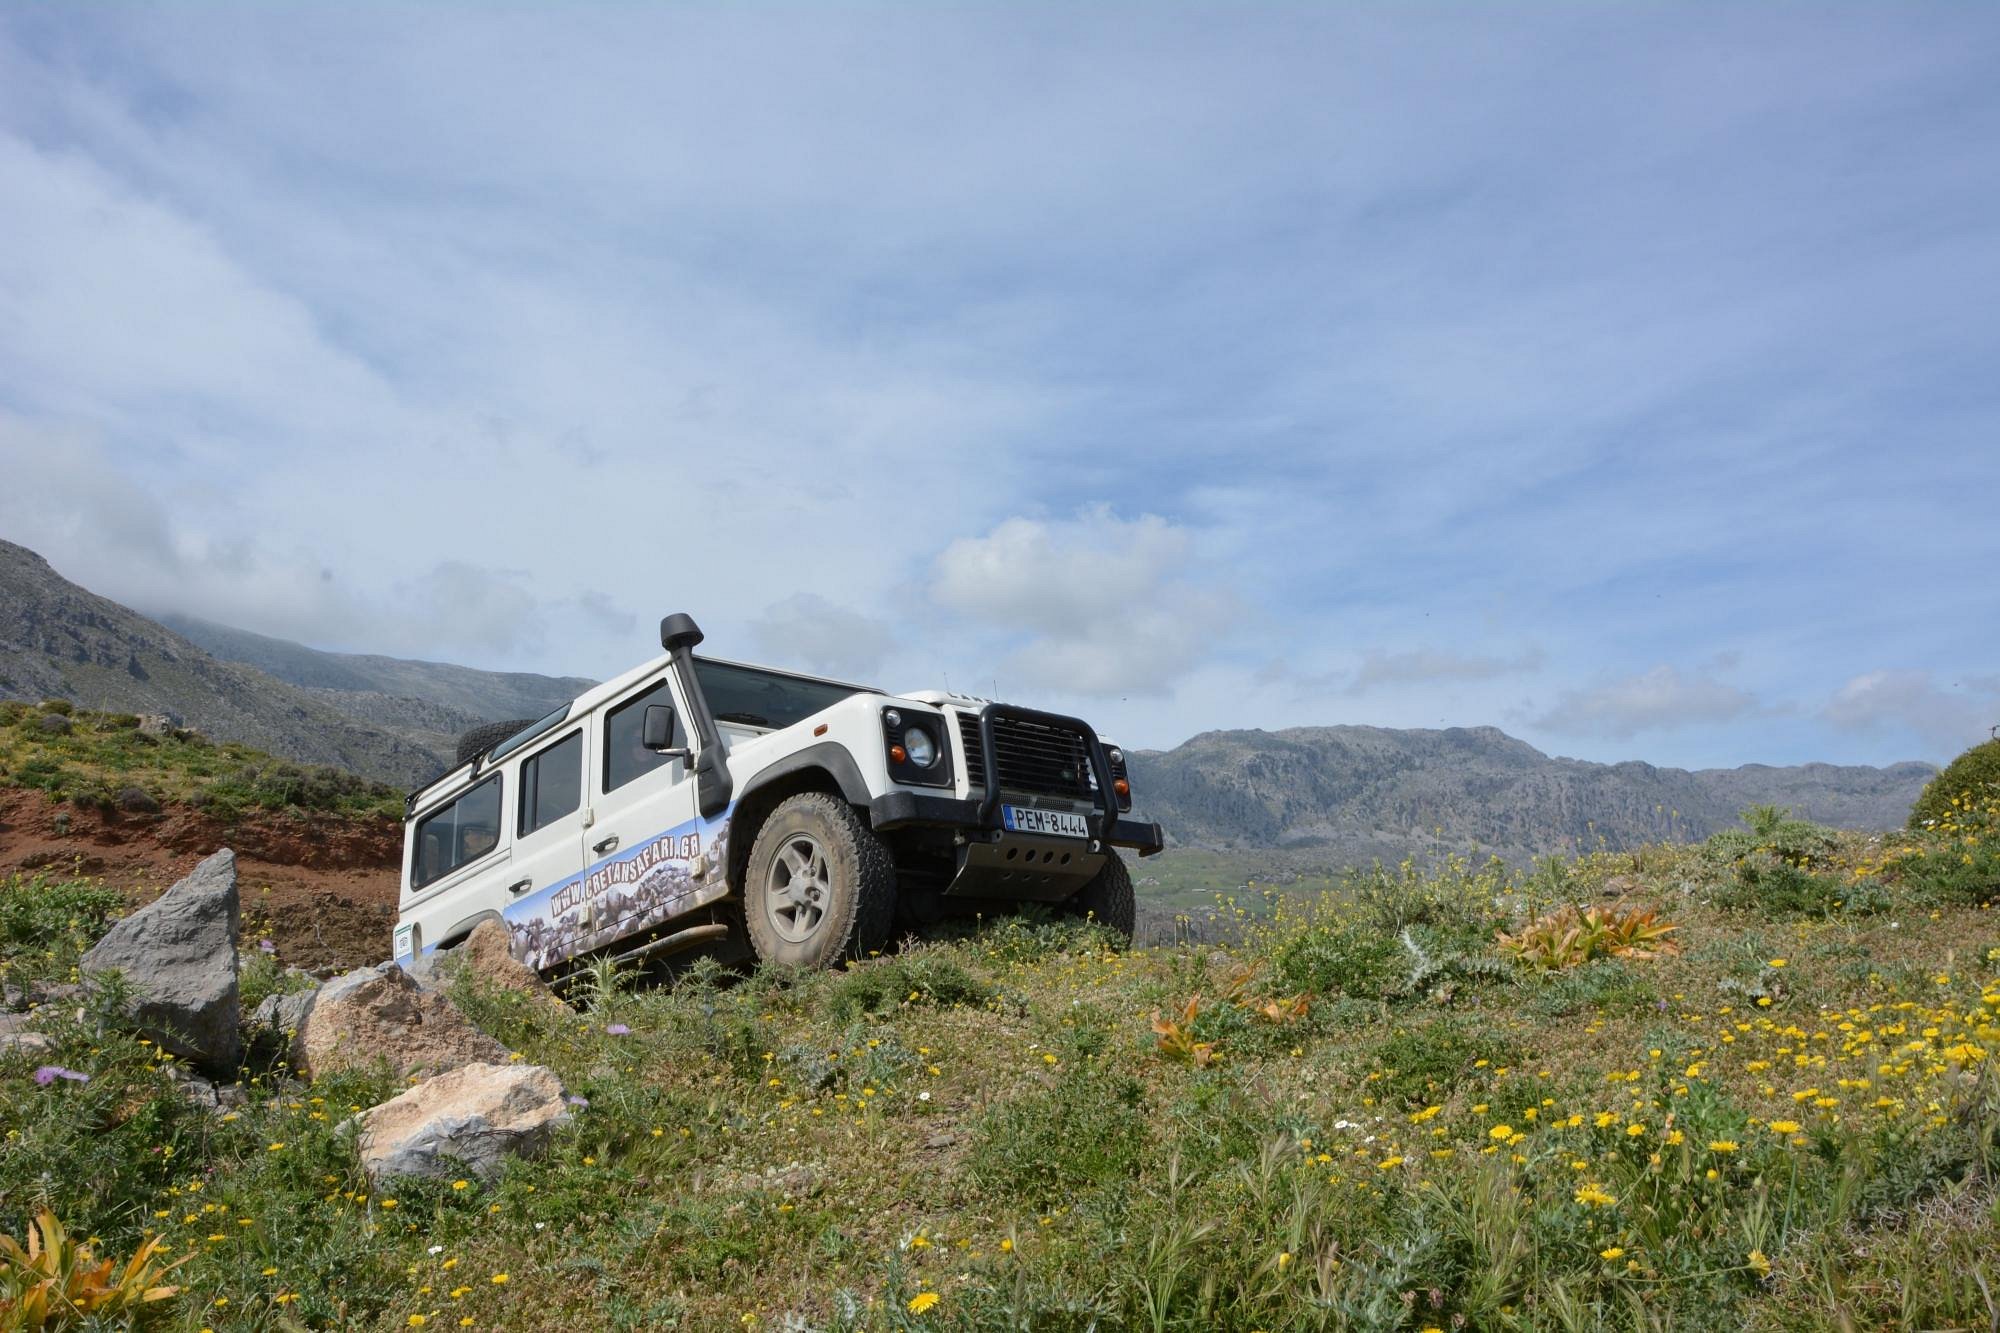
820, 886
1107, 898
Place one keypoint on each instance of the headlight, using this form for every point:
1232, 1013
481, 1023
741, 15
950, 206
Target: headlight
1115, 755
920, 747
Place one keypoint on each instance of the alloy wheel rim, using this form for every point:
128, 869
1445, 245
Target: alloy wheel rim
798, 889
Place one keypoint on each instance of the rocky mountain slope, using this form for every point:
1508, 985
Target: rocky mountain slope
1357, 793
378, 690
58, 640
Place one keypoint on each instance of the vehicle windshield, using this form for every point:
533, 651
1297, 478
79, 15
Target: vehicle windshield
754, 698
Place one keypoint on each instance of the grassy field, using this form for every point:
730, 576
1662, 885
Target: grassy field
1781, 1113
104, 759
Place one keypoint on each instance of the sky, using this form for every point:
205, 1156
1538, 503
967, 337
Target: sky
1627, 378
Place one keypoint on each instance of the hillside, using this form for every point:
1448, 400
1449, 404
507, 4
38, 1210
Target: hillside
58, 640
1778, 1111
1354, 794
380, 690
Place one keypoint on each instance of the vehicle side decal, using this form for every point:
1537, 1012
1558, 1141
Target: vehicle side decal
672, 872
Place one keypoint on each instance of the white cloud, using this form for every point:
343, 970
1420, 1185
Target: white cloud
704, 322
1092, 605
1945, 719
806, 630
1657, 700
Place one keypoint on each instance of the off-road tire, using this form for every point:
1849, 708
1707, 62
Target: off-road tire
859, 909
1108, 898
481, 739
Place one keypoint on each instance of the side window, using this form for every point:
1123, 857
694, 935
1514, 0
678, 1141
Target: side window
624, 757
552, 783
459, 834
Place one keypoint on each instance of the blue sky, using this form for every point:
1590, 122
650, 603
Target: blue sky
1623, 377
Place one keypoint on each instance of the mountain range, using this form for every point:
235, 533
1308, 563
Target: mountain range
1344, 794
1350, 795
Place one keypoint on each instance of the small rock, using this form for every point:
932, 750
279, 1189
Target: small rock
198, 1090
466, 1121
940, 1140
380, 1013
179, 955
17, 1038
275, 1024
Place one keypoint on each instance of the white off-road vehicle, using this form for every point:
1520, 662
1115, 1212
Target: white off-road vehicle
697, 802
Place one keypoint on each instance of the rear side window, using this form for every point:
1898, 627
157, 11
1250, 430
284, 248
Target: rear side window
459, 834
552, 783
624, 757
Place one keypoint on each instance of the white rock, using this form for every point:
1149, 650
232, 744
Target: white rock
465, 1122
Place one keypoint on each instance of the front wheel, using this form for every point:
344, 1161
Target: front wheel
1107, 898
820, 886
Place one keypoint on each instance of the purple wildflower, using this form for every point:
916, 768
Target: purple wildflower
48, 1074
618, 1029
579, 1101
267, 946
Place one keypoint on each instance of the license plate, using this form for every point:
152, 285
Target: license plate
1058, 823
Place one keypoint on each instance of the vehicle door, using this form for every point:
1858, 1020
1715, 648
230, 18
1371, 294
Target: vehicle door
459, 857
643, 827
549, 817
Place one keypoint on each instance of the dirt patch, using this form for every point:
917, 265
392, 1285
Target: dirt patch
322, 888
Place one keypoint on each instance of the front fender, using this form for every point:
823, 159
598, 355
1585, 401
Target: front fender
828, 755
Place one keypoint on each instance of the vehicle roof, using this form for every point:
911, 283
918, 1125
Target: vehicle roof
610, 689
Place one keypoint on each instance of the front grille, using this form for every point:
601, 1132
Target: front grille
1048, 761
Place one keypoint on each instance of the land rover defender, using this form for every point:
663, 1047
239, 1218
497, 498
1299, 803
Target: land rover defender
699, 802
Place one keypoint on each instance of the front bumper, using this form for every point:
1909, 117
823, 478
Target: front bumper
906, 809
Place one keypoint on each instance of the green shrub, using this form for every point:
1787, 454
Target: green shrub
1768, 883
1337, 960
1034, 934
1957, 873
919, 976
261, 975
1602, 983
1423, 1063
46, 925
1965, 784
1054, 1146
1771, 829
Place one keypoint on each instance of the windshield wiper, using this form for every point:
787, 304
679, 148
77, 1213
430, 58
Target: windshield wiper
747, 719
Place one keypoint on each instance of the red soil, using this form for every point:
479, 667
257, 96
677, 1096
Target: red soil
321, 887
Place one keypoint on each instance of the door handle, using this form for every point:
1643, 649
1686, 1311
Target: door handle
610, 844
521, 886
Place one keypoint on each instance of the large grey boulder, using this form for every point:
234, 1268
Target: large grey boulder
465, 1122
179, 955
381, 1013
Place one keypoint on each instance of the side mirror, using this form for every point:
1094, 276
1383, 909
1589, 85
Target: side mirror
656, 729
